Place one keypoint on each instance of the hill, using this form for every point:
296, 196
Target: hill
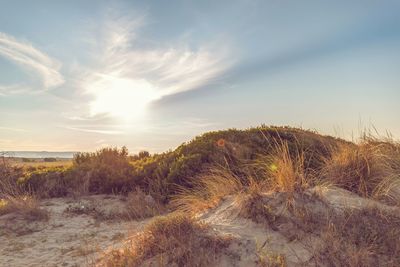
264, 196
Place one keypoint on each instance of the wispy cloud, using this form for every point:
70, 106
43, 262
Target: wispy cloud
12, 129
131, 75
31, 59
99, 131
13, 89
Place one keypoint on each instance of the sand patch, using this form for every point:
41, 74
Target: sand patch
77, 232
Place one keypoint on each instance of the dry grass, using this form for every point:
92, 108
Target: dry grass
175, 239
26, 206
207, 191
14, 199
366, 237
140, 206
370, 169
294, 214
268, 259
285, 170
280, 171
42, 164
352, 237
253, 206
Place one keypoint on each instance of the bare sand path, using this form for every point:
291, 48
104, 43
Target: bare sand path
76, 234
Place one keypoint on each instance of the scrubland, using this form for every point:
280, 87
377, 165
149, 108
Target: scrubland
264, 196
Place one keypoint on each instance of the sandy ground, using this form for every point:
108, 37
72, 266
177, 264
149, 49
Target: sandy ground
252, 240
80, 231
74, 235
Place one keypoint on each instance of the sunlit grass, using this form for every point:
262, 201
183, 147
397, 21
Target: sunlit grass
3, 204
42, 164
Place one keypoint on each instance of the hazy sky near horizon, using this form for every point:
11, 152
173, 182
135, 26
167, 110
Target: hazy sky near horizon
80, 75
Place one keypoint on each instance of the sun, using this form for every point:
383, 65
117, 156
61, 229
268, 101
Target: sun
121, 97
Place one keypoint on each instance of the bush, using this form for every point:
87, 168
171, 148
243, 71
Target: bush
48, 182
107, 170
140, 155
229, 148
27, 206
49, 159
172, 240
112, 170
140, 206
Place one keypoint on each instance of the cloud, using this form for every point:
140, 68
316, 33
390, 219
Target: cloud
129, 74
99, 131
12, 129
32, 60
13, 89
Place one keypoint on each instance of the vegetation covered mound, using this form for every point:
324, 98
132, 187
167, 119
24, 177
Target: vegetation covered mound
284, 158
270, 171
113, 170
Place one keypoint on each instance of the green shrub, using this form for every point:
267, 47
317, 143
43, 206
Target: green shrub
48, 182
113, 170
232, 148
107, 170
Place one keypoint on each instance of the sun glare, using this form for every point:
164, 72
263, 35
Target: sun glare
121, 98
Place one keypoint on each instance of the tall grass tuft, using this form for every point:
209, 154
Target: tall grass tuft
207, 190
370, 168
285, 169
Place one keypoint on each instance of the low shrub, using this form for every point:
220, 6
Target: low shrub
49, 159
172, 240
26, 206
48, 182
140, 205
107, 170
366, 237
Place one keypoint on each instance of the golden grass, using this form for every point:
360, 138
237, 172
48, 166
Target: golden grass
278, 171
268, 259
207, 190
42, 164
370, 169
284, 170
172, 240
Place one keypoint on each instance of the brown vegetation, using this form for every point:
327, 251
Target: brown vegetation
366, 237
269, 171
175, 239
207, 190
370, 169
14, 199
140, 206
25, 206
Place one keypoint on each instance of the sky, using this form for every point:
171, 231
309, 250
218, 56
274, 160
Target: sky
81, 75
